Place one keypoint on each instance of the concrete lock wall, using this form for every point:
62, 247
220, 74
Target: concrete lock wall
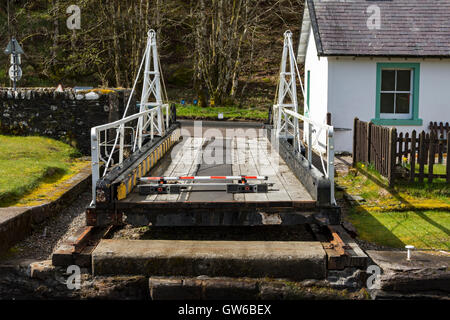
67, 116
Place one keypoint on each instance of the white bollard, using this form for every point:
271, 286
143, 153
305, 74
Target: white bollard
409, 248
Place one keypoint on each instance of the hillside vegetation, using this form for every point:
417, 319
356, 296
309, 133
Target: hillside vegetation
224, 50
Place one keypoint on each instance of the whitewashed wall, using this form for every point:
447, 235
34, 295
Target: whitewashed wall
352, 87
318, 68
352, 93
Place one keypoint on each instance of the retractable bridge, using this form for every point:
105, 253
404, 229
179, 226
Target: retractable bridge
150, 169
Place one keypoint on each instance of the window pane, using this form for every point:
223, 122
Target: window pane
387, 103
403, 80
387, 80
402, 103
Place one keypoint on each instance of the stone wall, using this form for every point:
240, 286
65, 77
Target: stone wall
67, 116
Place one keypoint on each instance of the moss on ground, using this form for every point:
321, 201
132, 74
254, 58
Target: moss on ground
31, 167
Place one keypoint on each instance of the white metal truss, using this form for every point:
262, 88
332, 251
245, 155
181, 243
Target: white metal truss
128, 134
286, 117
287, 93
151, 93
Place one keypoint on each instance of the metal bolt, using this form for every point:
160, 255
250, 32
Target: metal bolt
409, 248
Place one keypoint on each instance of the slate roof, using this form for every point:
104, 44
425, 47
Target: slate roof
416, 28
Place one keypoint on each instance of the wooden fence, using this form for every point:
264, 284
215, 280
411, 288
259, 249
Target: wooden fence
393, 154
440, 129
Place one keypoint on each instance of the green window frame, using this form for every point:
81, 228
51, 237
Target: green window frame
415, 67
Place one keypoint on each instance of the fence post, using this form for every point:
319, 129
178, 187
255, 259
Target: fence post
384, 148
448, 160
406, 149
400, 148
412, 160
431, 157
392, 151
355, 140
369, 141
421, 156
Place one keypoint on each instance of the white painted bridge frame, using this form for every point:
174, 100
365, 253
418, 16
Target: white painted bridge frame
102, 150
286, 117
312, 133
152, 119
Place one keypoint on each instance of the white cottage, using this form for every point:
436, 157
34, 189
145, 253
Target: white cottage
382, 61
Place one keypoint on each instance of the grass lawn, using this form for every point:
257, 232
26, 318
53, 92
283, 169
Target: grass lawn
373, 187
422, 229
408, 213
437, 168
229, 113
28, 162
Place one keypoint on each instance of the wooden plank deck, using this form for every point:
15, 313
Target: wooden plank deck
249, 156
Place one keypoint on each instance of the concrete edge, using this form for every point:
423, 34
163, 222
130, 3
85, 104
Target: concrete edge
18, 223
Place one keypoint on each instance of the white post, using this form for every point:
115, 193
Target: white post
310, 144
408, 255
95, 154
122, 142
330, 163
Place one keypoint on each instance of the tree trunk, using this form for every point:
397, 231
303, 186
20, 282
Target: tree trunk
114, 15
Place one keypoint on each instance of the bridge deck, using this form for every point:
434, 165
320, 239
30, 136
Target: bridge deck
235, 155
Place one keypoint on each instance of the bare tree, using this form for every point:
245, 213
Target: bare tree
222, 35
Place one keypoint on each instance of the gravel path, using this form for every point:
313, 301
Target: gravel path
48, 236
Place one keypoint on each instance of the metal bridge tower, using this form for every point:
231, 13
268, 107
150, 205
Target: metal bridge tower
151, 92
287, 94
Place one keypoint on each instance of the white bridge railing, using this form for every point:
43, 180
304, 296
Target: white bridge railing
118, 138
318, 137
